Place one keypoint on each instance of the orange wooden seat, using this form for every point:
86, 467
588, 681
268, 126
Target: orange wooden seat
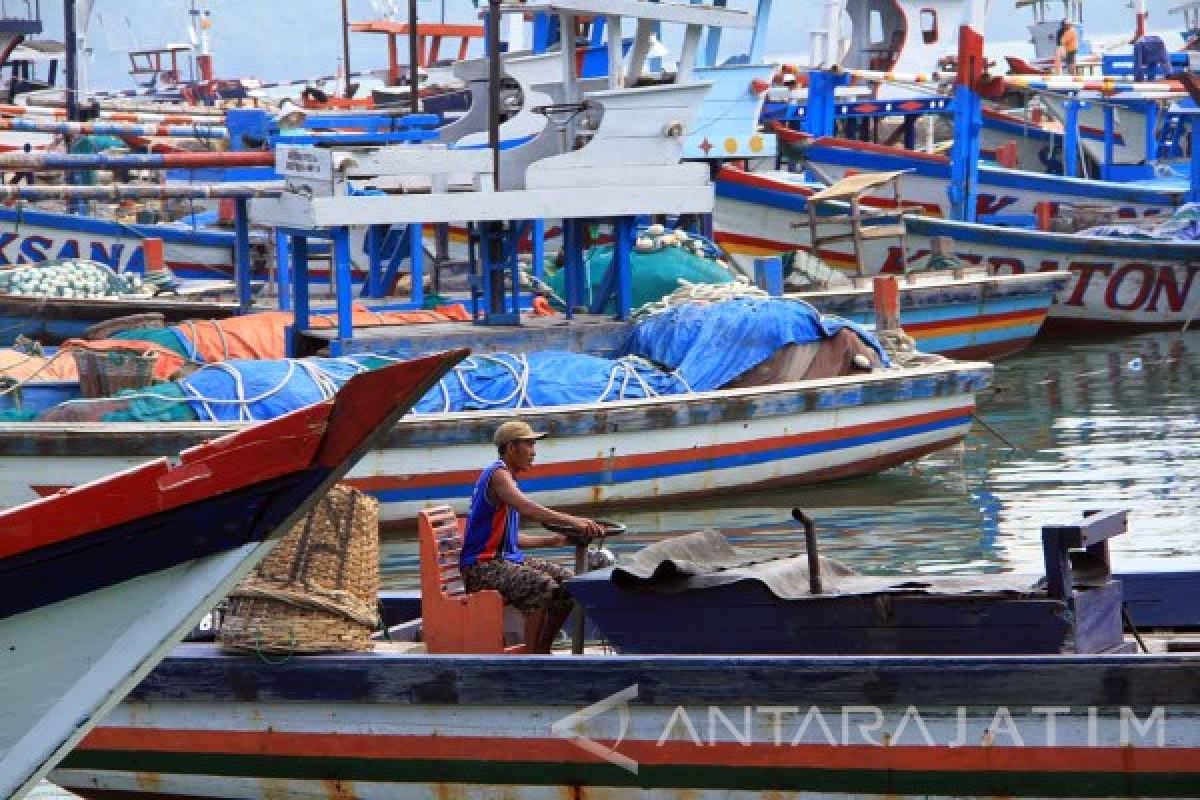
453, 621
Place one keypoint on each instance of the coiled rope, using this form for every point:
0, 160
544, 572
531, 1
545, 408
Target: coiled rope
621, 376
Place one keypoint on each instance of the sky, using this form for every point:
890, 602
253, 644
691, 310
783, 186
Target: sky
295, 39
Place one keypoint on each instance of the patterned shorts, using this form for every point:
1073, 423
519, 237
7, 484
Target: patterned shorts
534, 585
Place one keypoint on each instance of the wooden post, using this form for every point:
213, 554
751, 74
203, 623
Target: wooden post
241, 253
152, 254
887, 303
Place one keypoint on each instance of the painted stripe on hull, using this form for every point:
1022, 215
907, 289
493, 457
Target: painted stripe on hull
59, 571
698, 459
834, 770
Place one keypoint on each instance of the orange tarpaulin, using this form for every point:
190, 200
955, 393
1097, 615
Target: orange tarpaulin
24, 367
261, 336
61, 366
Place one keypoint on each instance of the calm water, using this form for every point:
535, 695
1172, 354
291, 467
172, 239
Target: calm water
1109, 424
1087, 425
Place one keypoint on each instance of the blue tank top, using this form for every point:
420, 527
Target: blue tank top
491, 527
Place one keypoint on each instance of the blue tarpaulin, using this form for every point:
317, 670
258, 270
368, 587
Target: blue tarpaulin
507, 380
256, 390
711, 344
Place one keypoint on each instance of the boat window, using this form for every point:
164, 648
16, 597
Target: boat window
929, 25
875, 27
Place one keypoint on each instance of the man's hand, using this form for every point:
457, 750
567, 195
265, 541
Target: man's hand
588, 527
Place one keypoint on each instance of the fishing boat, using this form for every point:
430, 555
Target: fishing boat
124, 566
1116, 283
974, 313
801, 605
70, 252
632, 451
968, 314
1001, 190
400, 721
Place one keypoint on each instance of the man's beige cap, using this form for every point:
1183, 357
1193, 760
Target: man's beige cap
513, 431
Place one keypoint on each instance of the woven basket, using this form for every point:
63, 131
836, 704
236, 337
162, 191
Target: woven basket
103, 373
317, 591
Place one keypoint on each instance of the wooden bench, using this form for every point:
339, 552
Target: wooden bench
453, 620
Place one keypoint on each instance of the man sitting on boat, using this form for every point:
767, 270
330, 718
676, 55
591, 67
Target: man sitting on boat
491, 553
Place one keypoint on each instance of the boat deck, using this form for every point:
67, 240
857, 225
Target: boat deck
587, 333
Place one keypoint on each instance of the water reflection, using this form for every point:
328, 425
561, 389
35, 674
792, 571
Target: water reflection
1073, 426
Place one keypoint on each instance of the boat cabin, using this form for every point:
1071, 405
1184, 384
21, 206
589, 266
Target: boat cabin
31, 66
17, 21
159, 66
900, 35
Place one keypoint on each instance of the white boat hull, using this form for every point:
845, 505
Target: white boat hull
59, 661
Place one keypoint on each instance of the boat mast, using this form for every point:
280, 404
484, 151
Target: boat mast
345, 49
968, 113
414, 58
71, 34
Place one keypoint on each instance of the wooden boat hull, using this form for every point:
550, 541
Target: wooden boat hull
1001, 191
366, 727
973, 316
102, 580
29, 237
628, 452
1115, 284
53, 320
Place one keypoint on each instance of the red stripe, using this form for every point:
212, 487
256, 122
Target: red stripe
734, 175
691, 454
499, 522
502, 749
260, 453
881, 149
978, 322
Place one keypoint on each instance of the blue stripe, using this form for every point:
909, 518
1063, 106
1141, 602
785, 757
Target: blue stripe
630, 475
759, 196
1090, 247
1034, 132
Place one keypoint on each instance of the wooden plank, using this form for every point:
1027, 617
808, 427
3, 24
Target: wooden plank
1091, 530
201, 672
855, 185
1157, 599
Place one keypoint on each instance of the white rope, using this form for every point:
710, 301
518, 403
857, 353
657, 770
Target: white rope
326, 383
623, 374
689, 292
